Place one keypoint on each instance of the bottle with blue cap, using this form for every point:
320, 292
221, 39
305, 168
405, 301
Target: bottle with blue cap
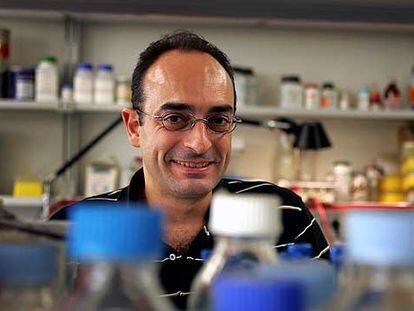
28, 276
298, 251
104, 86
317, 277
251, 293
379, 262
245, 227
115, 246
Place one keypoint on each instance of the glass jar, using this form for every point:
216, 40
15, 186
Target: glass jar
312, 96
246, 227
24, 84
329, 96
342, 175
123, 91
291, 91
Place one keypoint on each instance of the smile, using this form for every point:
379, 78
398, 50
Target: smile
192, 164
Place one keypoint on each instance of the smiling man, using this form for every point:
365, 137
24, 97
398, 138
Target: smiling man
183, 115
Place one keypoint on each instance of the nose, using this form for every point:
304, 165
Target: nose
198, 138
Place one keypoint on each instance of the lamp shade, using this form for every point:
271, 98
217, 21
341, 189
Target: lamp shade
311, 135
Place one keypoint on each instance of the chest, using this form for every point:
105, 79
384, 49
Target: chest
180, 237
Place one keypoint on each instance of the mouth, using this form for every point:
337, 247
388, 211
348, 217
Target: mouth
193, 165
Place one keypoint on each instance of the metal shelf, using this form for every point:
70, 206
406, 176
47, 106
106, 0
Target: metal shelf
354, 114
27, 105
57, 106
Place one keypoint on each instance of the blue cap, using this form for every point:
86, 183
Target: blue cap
84, 66
318, 278
380, 237
247, 293
337, 253
299, 251
105, 67
114, 233
27, 264
67, 86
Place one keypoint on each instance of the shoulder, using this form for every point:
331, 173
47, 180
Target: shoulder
237, 186
104, 198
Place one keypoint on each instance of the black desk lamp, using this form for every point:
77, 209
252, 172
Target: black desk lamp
311, 137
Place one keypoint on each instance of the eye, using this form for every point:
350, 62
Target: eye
174, 118
175, 121
219, 120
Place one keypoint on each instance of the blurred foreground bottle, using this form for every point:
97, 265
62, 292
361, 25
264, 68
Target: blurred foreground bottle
379, 270
27, 276
115, 246
246, 227
251, 293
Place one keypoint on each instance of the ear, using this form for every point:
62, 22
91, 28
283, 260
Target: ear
131, 122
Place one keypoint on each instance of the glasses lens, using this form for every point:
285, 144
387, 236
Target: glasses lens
176, 122
220, 124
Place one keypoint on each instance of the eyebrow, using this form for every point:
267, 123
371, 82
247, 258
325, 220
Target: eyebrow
187, 107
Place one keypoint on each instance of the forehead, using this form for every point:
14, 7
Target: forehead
192, 78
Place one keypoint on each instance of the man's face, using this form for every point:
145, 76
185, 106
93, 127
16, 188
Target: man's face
189, 163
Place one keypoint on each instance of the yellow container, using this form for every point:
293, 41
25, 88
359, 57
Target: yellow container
27, 188
408, 182
407, 165
391, 184
392, 197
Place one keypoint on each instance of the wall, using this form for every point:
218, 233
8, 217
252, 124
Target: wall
350, 58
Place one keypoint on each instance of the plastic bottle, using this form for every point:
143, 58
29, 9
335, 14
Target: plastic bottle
379, 269
47, 80
238, 292
83, 84
363, 98
392, 96
104, 86
27, 276
411, 90
246, 227
115, 246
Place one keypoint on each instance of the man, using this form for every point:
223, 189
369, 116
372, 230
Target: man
184, 105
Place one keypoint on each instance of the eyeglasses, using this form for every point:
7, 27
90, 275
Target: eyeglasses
173, 121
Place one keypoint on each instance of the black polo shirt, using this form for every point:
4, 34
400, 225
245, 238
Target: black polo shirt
177, 270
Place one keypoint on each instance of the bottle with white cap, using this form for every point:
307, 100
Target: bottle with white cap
379, 268
246, 227
115, 246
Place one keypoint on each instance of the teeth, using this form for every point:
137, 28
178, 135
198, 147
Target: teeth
194, 165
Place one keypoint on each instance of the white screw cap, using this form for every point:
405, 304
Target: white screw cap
245, 215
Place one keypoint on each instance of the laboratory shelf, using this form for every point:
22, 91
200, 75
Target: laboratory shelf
258, 112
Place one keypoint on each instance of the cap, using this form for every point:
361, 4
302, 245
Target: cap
292, 78
317, 277
299, 250
245, 215
104, 67
27, 264
84, 66
48, 58
232, 292
114, 233
380, 237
